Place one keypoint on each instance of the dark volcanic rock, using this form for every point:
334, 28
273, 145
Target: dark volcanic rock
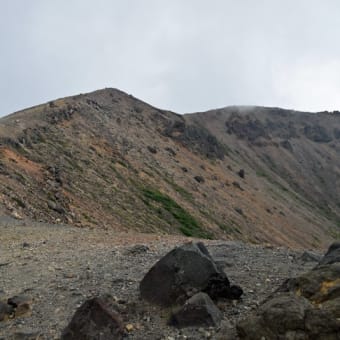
199, 310
332, 255
306, 307
321, 286
317, 133
199, 179
5, 311
288, 316
241, 173
196, 138
246, 128
95, 319
320, 324
276, 319
22, 304
308, 256
219, 286
181, 273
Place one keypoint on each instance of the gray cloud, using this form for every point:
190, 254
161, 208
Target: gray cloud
186, 56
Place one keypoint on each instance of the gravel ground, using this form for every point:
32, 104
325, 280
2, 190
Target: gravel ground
61, 266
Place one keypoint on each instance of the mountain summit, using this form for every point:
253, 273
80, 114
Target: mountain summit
108, 160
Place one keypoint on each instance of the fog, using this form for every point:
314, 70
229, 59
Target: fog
185, 56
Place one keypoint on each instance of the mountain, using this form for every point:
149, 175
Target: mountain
108, 160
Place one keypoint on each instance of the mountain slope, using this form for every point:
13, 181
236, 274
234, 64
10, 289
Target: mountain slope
106, 159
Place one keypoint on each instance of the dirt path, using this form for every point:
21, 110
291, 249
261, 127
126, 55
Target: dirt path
61, 266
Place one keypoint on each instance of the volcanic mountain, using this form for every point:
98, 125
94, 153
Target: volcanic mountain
108, 160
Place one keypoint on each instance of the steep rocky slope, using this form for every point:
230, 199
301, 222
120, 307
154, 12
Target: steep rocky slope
108, 160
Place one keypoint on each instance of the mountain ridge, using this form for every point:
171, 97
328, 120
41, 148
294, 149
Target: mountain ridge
107, 159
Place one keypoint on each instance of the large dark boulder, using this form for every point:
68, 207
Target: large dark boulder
275, 319
199, 310
306, 307
183, 272
287, 316
320, 285
96, 319
321, 324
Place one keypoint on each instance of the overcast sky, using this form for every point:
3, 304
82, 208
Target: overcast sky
182, 55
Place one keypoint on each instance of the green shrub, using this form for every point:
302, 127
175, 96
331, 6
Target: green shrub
188, 225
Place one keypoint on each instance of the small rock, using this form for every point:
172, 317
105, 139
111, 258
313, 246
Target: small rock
68, 275
241, 173
95, 319
129, 327
21, 304
26, 335
6, 311
237, 185
199, 179
138, 249
199, 310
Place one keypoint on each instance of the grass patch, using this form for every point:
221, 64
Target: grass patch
116, 171
227, 228
184, 193
189, 226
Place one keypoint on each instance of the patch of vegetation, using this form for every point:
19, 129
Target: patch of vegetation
19, 177
184, 193
225, 227
189, 226
88, 218
187, 195
329, 214
122, 163
316, 241
19, 202
335, 233
229, 229
262, 173
116, 171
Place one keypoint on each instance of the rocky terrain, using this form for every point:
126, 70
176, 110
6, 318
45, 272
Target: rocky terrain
108, 160
59, 267
99, 193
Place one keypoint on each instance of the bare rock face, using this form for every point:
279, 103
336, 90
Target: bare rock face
183, 272
199, 310
307, 307
95, 319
